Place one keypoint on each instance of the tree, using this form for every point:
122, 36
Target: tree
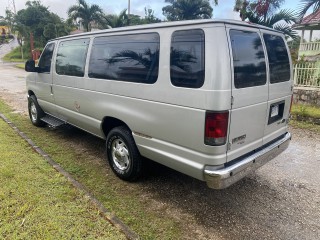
263, 12
114, 21
306, 5
87, 14
8, 19
150, 17
280, 21
187, 9
39, 21
262, 8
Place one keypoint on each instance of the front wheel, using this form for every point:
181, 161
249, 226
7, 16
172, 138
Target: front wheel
35, 112
123, 154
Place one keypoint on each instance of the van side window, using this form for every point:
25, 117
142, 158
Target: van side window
248, 59
131, 58
71, 57
279, 64
46, 57
187, 62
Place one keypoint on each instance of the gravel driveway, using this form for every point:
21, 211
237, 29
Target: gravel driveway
279, 201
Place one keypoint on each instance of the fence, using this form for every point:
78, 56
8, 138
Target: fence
307, 74
311, 46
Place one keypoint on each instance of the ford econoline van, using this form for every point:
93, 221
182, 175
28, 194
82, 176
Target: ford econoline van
208, 98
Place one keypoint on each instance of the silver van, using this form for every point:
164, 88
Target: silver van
208, 98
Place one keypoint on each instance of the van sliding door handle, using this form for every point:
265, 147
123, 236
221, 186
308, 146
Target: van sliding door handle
51, 91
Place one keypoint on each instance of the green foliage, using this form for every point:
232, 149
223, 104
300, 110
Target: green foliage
39, 21
150, 17
263, 12
114, 20
305, 5
306, 110
88, 14
187, 10
15, 55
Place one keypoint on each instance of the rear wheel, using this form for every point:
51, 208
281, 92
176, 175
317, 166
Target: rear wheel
123, 154
35, 112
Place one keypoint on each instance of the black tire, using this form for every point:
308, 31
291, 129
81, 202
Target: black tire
123, 155
35, 112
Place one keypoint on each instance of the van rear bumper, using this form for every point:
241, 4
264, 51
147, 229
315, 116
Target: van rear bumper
222, 178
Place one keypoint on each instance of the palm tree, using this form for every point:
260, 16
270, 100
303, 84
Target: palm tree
279, 21
263, 12
87, 14
187, 9
306, 5
114, 21
262, 8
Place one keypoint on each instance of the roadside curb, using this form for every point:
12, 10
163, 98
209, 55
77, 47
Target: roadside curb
113, 219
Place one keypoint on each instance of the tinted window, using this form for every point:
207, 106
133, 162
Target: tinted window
278, 58
132, 58
46, 57
187, 58
71, 57
248, 59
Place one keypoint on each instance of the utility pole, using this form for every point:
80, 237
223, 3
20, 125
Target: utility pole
128, 7
12, 6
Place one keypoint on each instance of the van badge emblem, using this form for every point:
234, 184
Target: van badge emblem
239, 140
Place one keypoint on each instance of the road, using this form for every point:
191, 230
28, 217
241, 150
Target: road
281, 200
5, 48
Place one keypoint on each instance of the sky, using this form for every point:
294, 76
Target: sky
60, 7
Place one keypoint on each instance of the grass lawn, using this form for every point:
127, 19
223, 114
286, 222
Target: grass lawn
14, 56
36, 202
88, 166
305, 110
20, 65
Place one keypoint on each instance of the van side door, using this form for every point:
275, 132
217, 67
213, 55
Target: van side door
70, 65
43, 86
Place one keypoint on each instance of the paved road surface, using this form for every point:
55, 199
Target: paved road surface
279, 201
5, 48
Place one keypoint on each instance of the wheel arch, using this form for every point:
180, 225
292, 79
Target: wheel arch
108, 123
31, 93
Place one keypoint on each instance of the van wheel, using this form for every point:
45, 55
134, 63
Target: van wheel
35, 112
123, 154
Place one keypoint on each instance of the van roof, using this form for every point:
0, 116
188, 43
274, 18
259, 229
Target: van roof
169, 24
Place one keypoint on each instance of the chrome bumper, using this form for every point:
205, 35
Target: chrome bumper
222, 178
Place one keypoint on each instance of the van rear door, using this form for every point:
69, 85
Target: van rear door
249, 91
280, 85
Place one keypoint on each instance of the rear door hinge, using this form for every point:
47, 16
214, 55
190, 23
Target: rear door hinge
228, 146
232, 100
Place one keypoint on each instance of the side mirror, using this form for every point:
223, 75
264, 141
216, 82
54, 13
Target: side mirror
30, 66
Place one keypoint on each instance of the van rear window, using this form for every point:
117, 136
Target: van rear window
131, 58
187, 58
248, 59
279, 64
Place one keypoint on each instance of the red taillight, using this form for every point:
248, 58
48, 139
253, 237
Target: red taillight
216, 128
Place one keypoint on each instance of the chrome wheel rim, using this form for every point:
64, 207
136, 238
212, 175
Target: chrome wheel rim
120, 154
33, 112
